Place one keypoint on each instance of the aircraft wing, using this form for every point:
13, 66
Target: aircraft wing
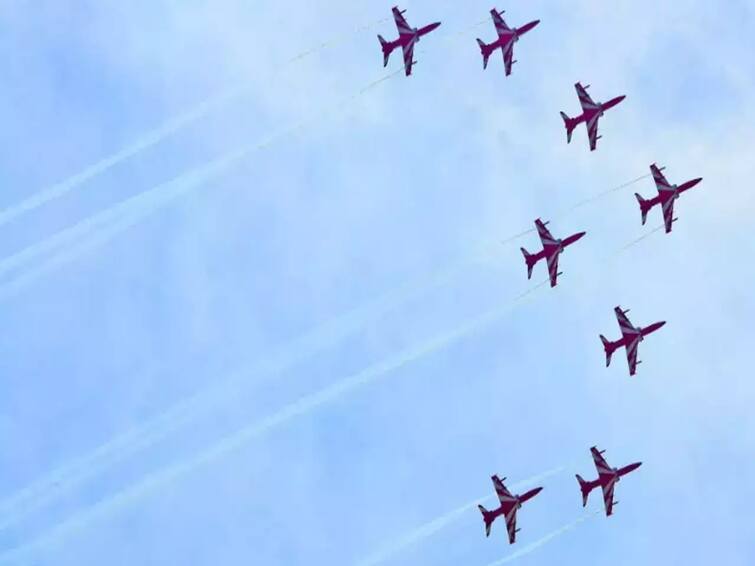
624, 325
631, 349
585, 101
500, 25
504, 495
608, 497
660, 181
508, 57
401, 25
545, 236
668, 213
511, 526
553, 268
592, 131
600, 463
408, 49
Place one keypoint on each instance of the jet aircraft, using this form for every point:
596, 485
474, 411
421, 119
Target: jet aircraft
407, 38
630, 339
667, 194
607, 479
506, 38
591, 113
510, 504
552, 248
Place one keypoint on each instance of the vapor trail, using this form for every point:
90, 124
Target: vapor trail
541, 542
579, 204
142, 205
76, 471
607, 192
234, 441
118, 219
147, 140
638, 240
431, 527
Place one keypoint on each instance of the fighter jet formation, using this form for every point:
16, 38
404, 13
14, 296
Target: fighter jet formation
608, 477
552, 248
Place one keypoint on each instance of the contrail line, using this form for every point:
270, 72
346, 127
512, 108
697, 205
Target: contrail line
234, 441
147, 140
431, 527
542, 541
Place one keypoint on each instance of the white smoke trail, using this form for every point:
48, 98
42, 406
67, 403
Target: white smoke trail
151, 138
142, 205
638, 240
118, 219
607, 192
542, 541
75, 472
431, 527
304, 405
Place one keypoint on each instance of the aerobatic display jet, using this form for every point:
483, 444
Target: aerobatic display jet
667, 194
407, 38
607, 479
510, 504
552, 248
630, 339
591, 113
506, 38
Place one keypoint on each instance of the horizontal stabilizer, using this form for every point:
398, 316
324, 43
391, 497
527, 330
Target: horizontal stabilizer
486, 516
569, 124
530, 260
609, 348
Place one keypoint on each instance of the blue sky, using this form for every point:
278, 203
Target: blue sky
170, 366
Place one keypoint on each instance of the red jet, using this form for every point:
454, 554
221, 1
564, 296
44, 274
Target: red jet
506, 38
551, 250
630, 339
667, 194
591, 113
510, 504
407, 37
607, 479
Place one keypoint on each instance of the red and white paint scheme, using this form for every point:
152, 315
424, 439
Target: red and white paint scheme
607, 479
407, 38
667, 194
510, 504
630, 339
591, 112
506, 38
552, 248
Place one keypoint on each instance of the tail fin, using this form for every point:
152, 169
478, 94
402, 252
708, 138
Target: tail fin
609, 349
485, 50
585, 488
387, 48
487, 517
569, 124
644, 207
530, 260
